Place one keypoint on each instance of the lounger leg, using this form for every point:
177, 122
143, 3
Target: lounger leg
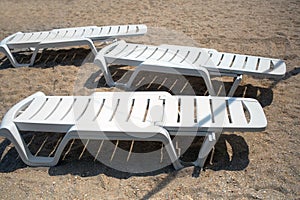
34, 56
11, 132
157, 134
92, 46
132, 77
236, 82
170, 149
100, 61
207, 79
11, 58
208, 143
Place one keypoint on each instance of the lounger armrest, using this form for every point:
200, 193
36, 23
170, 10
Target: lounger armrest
11, 114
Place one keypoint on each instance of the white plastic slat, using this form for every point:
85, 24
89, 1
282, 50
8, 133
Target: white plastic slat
167, 56
105, 30
33, 108
157, 54
257, 117
77, 109
237, 112
107, 109
47, 109
155, 111
62, 109
70, 33
204, 117
95, 31
43, 35
123, 30
148, 53
139, 49
52, 35
227, 60
79, 32
116, 50
139, 109
203, 58
187, 110
193, 56
61, 35
220, 112
124, 52
132, 29
238, 61
215, 57
26, 37
18, 37
35, 37
279, 66
264, 64
251, 63
114, 30
180, 56
92, 110
123, 110
88, 32
171, 110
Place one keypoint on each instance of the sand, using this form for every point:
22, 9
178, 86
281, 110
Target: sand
259, 165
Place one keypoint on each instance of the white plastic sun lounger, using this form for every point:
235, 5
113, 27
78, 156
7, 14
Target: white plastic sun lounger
65, 37
188, 61
141, 116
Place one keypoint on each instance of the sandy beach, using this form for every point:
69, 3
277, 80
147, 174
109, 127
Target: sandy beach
257, 165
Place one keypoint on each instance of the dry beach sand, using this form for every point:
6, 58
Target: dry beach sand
260, 165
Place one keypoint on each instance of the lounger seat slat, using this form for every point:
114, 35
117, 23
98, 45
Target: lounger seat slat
123, 110
114, 30
107, 110
105, 30
77, 110
93, 109
227, 60
131, 52
17, 37
237, 112
238, 61
219, 112
251, 63
187, 110
155, 110
35, 36
204, 117
147, 54
132, 29
264, 65
166, 56
216, 58
33, 108
171, 110
48, 108
139, 110
62, 109
70, 33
